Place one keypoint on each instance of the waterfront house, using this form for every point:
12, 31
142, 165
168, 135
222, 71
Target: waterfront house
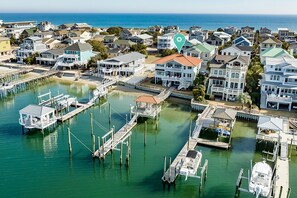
247, 29
171, 29
242, 41
293, 47
273, 53
51, 43
154, 29
123, 65
108, 39
279, 84
122, 44
237, 50
270, 43
81, 26
197, 33
28, 32
44, 34
76, 55
227, 76
177, 70
142, 39
49, 57
215, 40
264, 30
72, 40
125, 34
66, 26
226, 37
45, 26
19, 24
203, 51
248, 33
5, 48
230, 30
284, 34
37, 117
13, 32
30, 46
61, 34
166, 42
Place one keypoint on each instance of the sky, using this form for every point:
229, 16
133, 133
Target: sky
282, 7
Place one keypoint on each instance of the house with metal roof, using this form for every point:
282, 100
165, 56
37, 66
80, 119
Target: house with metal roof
274, 53
30, 46
227, 76
123, 65
242, 41
203, 51
49, 57
279, 84
75, 55
142, 39
237, 51
271, 42
177, 70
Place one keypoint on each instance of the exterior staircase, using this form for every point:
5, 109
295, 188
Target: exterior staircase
183, 84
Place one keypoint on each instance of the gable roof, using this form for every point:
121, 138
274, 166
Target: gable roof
124, 42
127, 58
240, 40
126, 31
272, 40
222, 113
274, 52
270, 123
183, 60
148, 99
204, 47
58, 51
80, 47
245, 48
36, 110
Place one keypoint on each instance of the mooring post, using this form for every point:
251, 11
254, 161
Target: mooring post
109, 114
121, 153
91, 124
69, 141
169, 169
94, 143
145, 130
103, 147
164, 166
99, 146
126, 122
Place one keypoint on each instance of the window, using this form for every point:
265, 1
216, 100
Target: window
237, 75
220, 72
215, 72
232, 75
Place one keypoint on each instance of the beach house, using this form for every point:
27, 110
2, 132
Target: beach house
230, 30
226, 37
177, 70
215, 40
234, 50
284, 34
242, 41
273, 53
123, 65
171, 29
5, 48
76, 55
248, 33
49, 57
227, 76
45, 26
19, 24
196, 32
270, 43
144, 39
279, 84
166, 42
30, 46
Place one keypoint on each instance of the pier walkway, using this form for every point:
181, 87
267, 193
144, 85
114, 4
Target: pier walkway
172, 172
9, 75
116, 138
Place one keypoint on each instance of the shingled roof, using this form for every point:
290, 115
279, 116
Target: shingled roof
80, 47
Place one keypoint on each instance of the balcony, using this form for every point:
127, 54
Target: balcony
171, 78
221, 89
279, 99
173, 69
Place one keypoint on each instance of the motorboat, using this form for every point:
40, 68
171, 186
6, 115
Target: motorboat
222, 132
260, 182
191, 163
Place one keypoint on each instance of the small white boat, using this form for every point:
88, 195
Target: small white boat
191, 163
260, 183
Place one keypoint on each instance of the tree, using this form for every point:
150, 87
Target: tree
13, 40
168, 52
94, 30
199, 93
104, 33
99, 47
31, 60
200, 79
285, 46
114, 30
141, 48
245, 99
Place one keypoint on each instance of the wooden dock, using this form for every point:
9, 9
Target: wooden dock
9, 75
116, 138
81, 107
212, 143
173, 171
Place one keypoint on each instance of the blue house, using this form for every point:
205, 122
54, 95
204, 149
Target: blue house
77, 54
242, 41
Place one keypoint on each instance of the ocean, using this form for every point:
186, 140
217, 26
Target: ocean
184, 21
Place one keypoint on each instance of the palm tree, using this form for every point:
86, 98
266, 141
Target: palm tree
244, 98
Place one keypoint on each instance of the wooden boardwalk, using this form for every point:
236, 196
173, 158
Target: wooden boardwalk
119, 137
281, 188
76, 111
15, 72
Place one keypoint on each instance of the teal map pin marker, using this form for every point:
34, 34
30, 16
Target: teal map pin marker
179, 41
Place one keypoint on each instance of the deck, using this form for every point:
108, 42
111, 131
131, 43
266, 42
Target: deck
212, 143
281, 188
116, 138
76, 111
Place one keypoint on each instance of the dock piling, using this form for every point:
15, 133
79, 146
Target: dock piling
164, 165
121, 153
144, 135
93, 143
69, 141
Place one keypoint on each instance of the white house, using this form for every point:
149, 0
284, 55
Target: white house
227, 76
142, 39
284, 34
279, 84
45, 26
49, 57
30, 46
177, 70
19, 24
166, 41
123, 65
197, 33
237, 50
171, 29
226, 37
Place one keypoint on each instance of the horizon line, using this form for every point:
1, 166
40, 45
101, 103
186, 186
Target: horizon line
165, 13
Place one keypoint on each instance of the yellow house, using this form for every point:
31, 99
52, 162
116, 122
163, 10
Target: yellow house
5, 48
